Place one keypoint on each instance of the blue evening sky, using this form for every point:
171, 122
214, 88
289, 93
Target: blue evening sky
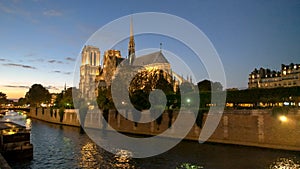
40, 40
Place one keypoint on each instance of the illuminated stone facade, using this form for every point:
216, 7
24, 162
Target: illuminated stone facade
89, 69
94, 76
112, 58
289, 76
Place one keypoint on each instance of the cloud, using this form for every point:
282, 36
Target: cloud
55, 61
3, 60
70, 59
6, 9
58, 71
15, 86
28, 87
16, 9
52, 12
19, 65
52, 88
30, 54
36, 60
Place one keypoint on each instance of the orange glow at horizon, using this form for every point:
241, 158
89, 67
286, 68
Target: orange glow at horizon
16, 93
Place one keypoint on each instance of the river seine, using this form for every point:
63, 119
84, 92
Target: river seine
57, 146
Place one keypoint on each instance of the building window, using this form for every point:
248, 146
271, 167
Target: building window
284, 72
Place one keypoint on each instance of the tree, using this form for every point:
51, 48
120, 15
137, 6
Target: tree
217, 86
65, 98
139, 100
207, 85
37, 94
204, 86
22, 101
103, 99
3, 98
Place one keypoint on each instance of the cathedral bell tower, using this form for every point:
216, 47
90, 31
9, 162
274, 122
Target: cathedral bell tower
89, 69
131, 45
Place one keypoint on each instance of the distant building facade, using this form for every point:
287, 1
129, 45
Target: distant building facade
289, 76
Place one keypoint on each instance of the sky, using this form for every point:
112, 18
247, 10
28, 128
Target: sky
40, 40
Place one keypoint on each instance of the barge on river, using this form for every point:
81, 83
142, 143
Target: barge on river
15, 141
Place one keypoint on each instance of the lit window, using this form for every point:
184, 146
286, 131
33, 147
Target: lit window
284, 72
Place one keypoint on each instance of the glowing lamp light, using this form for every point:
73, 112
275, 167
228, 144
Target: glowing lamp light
11, 132
188, 100
283, 118
43, 105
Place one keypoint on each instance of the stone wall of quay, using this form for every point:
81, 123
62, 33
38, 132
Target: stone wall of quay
69, 117
242, 127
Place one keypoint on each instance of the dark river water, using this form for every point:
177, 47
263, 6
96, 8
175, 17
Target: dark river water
57, 146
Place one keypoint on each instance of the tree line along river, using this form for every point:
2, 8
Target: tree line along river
57, 146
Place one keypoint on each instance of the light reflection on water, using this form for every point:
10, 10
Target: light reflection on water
57, 146
89, 156
285, 163
123, 159
28, 124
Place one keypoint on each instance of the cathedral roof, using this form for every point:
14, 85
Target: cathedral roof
156, 57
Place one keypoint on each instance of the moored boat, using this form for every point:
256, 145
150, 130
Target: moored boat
15, 141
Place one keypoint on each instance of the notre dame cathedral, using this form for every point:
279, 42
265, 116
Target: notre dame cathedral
94, 75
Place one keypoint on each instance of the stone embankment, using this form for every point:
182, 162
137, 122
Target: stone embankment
258, 127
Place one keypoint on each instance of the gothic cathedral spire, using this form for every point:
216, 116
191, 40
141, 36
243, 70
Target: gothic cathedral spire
131, 45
